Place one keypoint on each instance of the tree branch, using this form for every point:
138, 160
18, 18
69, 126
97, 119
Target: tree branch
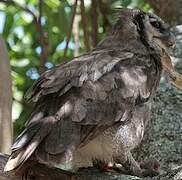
13, 3
70, 30
84, 24
37, 21
76, 35
43, 40
94, 22
42, 172
103, 10
36, 172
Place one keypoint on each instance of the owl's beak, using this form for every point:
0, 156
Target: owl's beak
167, 39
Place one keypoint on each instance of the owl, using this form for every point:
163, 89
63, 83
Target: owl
97, 106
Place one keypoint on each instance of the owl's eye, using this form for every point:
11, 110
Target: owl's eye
155, 24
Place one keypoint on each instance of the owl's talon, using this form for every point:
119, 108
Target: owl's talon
151, 167
107, 168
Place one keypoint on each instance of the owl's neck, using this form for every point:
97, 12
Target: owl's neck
133, 43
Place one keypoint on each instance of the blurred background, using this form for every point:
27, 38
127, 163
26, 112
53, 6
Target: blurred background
38, 34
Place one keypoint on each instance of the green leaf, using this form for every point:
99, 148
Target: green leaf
52, 3
9, 20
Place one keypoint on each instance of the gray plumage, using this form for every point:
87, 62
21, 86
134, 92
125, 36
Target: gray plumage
96, 106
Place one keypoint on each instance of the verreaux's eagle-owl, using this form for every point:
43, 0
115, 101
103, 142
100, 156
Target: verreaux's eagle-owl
97, 106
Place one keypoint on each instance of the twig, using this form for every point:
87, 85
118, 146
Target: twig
84, 24
43, 40
70, 30
24, 8
23, 102
94, 22
37, 21
103, 10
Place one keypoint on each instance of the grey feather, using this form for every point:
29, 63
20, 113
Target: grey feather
95, 98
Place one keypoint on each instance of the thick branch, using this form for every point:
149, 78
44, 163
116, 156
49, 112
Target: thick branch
41, 172
36, 172
84, 24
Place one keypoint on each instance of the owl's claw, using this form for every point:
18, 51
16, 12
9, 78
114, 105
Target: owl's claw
150, 167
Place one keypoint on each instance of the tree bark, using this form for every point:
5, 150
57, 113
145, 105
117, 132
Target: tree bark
41, 172
5, 100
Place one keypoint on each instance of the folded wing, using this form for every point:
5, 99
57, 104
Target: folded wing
78, 100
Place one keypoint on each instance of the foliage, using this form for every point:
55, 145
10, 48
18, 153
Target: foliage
23, 40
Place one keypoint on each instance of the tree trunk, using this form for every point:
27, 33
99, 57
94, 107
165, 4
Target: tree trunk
5, 100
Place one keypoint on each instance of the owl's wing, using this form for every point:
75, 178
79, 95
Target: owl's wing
78, 100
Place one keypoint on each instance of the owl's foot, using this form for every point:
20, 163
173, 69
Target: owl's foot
129, 165
151, 167
103, 166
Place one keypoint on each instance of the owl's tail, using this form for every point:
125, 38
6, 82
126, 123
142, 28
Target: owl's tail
25, 146
19, 157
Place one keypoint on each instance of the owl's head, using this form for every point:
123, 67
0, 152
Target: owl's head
151, 29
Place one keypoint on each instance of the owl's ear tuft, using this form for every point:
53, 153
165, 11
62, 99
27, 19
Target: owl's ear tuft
123, 13
126, 19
